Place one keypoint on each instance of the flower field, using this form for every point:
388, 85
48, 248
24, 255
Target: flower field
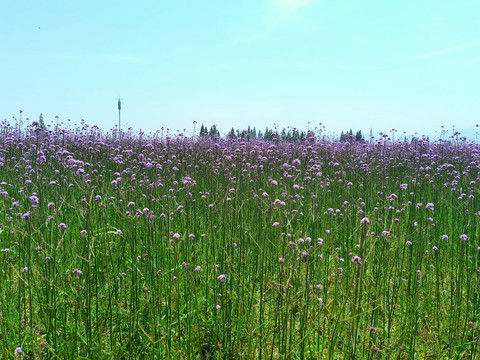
159, 247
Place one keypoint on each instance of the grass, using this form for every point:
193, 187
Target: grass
115, 247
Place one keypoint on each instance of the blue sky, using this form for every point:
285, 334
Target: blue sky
411, 65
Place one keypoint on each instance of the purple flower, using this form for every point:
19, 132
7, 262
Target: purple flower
365, 221
17, 351
198, 268
222, 278
464, 237
27, 215
357, 259
444, 237
98, 198
34, 199
83, 232
131, 204
62, 226
218, 307
281, 260
51, 205
409, 243
25, 269
77, 272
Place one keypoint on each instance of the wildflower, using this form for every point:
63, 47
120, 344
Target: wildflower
281, 260
131, 204
77, 272
464, 237
276, 223
218, 307
62, 226
48, 258
159, 272
198, 268
435, 248
357, 259
385, 233
83, 232
34, 199
320, 301
25, 269
409, 243
27, 215
365, 221
222, 278
319, 287
17, 351
98, 198
51, 205
444, 237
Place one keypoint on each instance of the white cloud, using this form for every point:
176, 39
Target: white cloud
445, 51
290, 5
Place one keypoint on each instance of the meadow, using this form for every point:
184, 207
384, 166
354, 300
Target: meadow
134, 246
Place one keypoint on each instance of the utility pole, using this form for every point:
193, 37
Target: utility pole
119, 122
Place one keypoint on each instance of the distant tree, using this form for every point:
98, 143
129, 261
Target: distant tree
41, 123
203, 131
213, 131
231, 134
359, 136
